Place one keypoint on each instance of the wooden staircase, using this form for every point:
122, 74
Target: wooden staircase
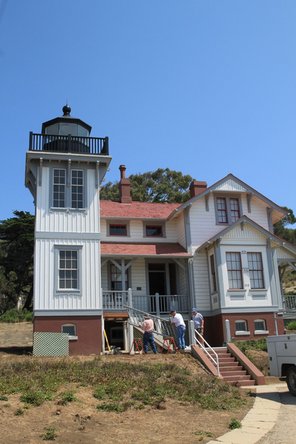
230, 369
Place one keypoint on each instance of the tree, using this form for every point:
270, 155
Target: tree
281, 230
161, 185
16, 258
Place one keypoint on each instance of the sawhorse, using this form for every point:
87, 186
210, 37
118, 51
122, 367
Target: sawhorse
170, 344
137, 344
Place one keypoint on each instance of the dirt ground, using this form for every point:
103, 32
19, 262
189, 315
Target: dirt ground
80, 422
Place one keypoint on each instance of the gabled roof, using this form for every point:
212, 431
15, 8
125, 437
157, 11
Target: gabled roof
136, 210
243, 188
143, 249
245, 220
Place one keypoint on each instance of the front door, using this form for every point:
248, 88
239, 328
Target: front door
157, 284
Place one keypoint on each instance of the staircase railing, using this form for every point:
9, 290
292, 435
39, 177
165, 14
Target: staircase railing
209, 351
162, 326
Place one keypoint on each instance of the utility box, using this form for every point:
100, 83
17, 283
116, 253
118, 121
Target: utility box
282, 359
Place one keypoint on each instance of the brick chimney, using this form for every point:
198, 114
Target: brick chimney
197, 187
124, 186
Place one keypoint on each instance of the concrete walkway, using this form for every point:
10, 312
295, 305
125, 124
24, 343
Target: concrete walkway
260, 419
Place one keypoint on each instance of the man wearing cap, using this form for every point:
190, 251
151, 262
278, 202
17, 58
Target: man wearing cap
148, 338
198, 321
177, 319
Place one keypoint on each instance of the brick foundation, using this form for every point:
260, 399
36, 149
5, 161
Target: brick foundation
215, 332
88, 331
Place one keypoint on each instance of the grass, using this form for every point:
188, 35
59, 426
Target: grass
49, 434
117, 386
14, 315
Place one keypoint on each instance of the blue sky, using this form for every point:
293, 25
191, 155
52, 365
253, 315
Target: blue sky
203, 87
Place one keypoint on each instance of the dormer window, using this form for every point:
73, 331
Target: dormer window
154, 230
227, 210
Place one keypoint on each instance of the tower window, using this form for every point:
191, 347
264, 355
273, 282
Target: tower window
68, 189
59, 188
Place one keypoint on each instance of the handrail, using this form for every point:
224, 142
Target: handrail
201, 341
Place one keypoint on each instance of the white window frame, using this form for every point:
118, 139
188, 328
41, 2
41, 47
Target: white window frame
260, 331
60, 290
71, 337
68, 189
244, 332
229, 271
256, 270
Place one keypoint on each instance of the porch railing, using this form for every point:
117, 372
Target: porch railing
115, 300
289, 302
155, 304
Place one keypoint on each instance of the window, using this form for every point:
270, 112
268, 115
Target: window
213, 273
70, 329
255, 270
234, 209
68, 270
221, 210
227, 210
117, 230
116, 278
241, 327
59, 188
234, 269
77, 189
154, 230
64, 196
260, 325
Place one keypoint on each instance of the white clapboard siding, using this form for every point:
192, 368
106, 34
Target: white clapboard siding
45, 296
61, 221
201, 282
282, 253
230, 185
136, 232
244, 234
180, 227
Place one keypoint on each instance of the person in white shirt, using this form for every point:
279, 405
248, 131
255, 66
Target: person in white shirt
178, 321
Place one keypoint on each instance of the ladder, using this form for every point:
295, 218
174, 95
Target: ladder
164, 332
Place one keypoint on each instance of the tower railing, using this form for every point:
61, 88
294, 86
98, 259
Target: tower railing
69, 144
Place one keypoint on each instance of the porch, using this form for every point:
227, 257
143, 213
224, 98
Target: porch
155, 304
289, 306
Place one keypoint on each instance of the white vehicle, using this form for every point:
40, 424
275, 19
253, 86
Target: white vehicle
282, 359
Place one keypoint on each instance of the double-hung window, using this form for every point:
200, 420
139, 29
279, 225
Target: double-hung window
68, 269
255, 270
227, 210
234, 270
68, 188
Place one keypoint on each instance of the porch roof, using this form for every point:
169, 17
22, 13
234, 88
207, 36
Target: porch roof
143, 249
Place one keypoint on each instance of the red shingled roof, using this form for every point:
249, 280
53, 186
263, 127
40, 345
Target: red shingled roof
137, 210
140, 249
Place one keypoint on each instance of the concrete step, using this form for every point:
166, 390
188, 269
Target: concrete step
237, 378
233, 373
242, 383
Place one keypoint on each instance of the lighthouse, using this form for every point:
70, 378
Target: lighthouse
65, 166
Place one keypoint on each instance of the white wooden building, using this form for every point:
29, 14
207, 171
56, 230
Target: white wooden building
216, 252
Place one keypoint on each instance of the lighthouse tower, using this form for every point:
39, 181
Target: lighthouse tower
64, 169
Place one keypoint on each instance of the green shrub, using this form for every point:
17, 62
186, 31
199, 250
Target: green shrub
291, 325
66, 397
34, 398
254, 344
49, 434
14, 315
234, 424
